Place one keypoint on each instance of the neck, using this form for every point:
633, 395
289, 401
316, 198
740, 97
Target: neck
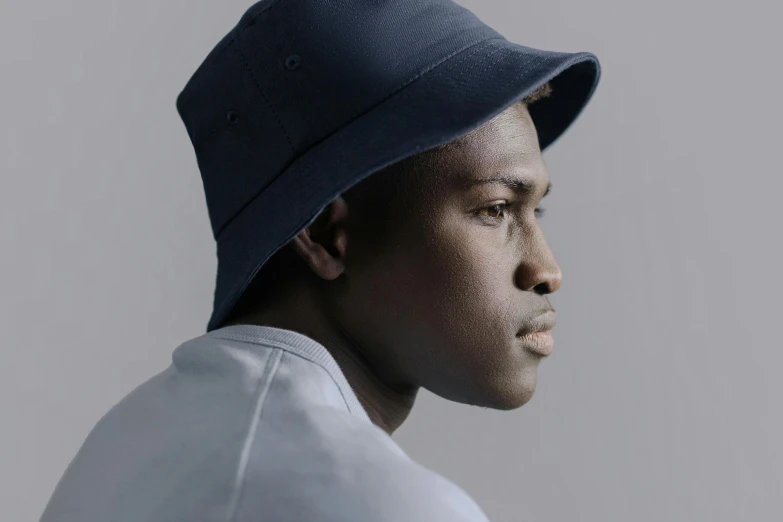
387, 406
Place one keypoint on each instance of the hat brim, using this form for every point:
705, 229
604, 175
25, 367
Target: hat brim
441, 104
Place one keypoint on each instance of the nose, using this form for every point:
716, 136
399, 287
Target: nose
539, 272
550, 282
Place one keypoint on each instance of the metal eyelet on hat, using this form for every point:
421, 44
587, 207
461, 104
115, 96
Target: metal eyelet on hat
232, 117
292, 62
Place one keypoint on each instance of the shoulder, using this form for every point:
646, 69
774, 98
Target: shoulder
339, 467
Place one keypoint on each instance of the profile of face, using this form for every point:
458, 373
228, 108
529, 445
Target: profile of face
444, 266
441, 265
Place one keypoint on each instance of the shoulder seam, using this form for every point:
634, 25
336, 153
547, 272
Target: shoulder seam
270, 372
280, 346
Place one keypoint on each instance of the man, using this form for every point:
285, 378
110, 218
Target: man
339, 293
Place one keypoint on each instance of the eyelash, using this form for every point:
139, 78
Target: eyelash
539, 212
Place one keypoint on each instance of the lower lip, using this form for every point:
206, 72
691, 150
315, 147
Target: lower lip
539, 342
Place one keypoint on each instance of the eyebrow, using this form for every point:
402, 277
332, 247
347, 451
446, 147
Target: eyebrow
521, 186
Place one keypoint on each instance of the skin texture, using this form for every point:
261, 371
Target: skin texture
414, 279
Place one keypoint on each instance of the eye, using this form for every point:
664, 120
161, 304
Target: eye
495, 209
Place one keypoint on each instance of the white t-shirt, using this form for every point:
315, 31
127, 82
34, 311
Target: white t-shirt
249, 424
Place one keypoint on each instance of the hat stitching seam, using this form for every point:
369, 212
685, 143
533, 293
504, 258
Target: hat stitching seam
463, 72
266, 8
477, 47
266, 100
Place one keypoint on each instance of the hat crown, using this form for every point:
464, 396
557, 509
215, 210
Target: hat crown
293, 72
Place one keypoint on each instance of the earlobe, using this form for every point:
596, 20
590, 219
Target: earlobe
322, 245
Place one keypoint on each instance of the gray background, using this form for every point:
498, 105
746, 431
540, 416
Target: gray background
660, 401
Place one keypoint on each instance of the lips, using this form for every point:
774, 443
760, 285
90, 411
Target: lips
536, 335
541, 323
539, 342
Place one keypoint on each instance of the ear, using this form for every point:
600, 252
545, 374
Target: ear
322, 244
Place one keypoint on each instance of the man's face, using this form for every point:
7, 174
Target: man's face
443, 271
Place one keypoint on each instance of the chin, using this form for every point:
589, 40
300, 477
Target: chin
512, 402
504, 393
511, 389
508, 397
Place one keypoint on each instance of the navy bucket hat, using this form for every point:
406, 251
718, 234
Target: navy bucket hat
303, 99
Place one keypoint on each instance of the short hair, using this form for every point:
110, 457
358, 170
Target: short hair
541, 92
281, 266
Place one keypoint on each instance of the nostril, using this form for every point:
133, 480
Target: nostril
232, 117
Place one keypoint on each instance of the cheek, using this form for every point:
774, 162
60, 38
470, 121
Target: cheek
437, 306
460, 292
467, 320
475, 285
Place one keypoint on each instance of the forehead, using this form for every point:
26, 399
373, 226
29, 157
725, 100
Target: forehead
507, 143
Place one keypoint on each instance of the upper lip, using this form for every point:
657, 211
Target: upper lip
540, 323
